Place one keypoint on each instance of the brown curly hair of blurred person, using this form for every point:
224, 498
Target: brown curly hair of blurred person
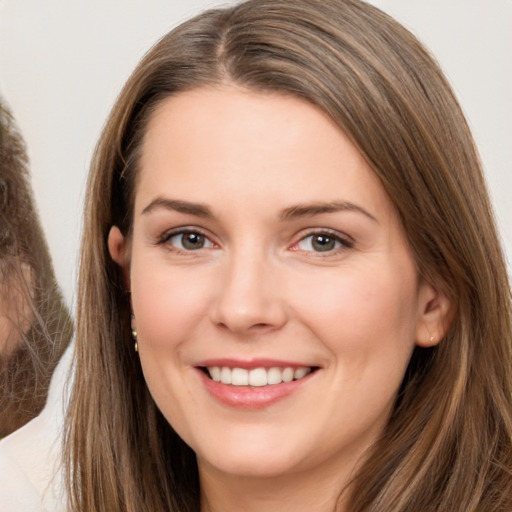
35, 325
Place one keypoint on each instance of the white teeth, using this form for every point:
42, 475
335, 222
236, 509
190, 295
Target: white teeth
257, 377
274, 376
301, 372
287, 375
239, 377
225, 375
215, 373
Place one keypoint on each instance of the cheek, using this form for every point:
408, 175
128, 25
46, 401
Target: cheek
361, 310
167, 305
15, 317
168, 308
366, 319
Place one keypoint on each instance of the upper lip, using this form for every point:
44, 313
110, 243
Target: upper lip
250, 364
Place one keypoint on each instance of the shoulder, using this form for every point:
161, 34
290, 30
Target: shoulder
18, 493
30, 469
30, 459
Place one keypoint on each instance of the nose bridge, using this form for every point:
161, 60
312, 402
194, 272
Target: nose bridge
249, 296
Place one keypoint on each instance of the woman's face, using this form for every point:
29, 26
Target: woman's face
264, 249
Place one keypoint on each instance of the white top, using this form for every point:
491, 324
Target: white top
30, 471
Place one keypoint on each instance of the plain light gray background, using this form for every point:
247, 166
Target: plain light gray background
63, 62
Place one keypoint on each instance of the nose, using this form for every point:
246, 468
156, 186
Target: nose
249, 298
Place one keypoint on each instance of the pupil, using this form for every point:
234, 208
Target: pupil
193, 241
323, 243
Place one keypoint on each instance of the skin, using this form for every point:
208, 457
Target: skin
259, 288
15, 311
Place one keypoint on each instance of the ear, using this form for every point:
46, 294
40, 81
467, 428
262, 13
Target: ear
118, 249
436, 312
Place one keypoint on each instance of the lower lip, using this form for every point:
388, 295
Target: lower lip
249, 397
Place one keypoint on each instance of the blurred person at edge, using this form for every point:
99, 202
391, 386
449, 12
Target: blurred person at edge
35, 326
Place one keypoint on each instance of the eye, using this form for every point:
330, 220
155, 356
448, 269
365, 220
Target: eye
322, 242
188, 241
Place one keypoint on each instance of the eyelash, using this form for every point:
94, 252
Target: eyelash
343, 242
166, 237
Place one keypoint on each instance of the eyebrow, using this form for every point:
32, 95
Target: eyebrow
198, 209
312, 209
292, 212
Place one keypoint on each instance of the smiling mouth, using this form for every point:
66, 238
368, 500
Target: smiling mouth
256, 377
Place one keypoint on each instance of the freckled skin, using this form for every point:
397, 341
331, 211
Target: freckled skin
258, 288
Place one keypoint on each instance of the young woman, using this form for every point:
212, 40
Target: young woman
292, 295
35, 326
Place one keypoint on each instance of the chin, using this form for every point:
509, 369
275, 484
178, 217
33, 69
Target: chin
262, 465
252, 456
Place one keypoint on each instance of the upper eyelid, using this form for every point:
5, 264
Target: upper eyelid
346, 242
184, 229
164, 238
324, 231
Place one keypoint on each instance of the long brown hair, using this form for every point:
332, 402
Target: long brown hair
41, 325
448, 445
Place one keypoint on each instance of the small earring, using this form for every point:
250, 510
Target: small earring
134, 336
432, 339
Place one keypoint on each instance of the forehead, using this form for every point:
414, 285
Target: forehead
243, 143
